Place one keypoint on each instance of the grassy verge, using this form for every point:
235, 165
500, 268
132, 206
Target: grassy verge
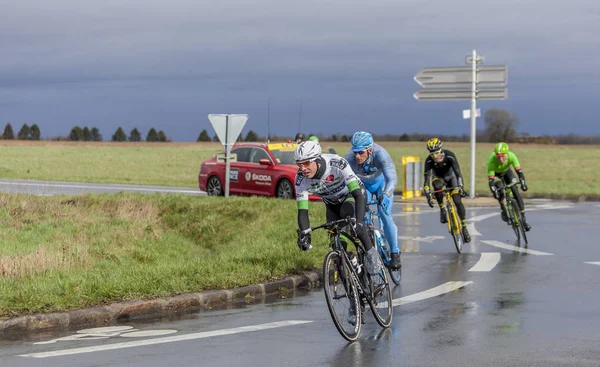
550, 169
59, 253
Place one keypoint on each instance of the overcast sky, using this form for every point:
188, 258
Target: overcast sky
350, 64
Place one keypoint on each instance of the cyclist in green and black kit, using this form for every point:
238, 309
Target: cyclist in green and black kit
499, 173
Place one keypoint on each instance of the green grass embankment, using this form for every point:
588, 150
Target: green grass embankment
59, 253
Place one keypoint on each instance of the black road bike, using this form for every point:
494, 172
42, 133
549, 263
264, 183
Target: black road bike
348, 287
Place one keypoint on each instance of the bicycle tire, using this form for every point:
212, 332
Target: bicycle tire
515, 216
341, 294
456, 229
385, 253
381, 300
522, 228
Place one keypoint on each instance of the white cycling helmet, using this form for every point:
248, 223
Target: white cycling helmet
308, 151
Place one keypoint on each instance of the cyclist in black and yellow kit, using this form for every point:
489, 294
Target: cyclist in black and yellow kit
446, 171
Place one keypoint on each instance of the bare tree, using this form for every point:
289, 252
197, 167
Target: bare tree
501, 125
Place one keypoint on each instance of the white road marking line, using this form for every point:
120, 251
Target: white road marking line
593, 262
487, 261
406, 214
483, 216
428, 239
472, 231
433, 292
169, 339
515, 248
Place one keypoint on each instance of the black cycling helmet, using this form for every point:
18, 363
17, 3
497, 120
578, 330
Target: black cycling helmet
299, 136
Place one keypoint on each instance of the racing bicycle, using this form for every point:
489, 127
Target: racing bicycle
378, 237
348, 287
454, 225
513, 212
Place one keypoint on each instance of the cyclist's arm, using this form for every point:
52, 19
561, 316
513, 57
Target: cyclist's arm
514, 161
389, 171
302, 203
353, 184
427, 172
456, 167
491, 166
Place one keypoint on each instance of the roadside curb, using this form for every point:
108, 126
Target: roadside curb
134, 310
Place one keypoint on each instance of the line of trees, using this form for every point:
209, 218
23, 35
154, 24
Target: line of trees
26, 132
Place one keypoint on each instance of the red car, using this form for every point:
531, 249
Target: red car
261, 169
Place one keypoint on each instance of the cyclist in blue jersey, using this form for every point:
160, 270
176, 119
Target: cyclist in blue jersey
376, 169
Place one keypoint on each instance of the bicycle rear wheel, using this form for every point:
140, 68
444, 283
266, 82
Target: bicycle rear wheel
456, 229
342, 296
381, 302
515, 217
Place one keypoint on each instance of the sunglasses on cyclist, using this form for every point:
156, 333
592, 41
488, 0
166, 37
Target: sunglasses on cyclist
303, 164
362, 152
437, 152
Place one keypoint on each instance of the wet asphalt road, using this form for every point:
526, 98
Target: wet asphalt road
529, 309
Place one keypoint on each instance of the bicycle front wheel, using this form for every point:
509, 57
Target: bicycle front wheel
381, 301
515, 218
342, 296
522, 228
456, 229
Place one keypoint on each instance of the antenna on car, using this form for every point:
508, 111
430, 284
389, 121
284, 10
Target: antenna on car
300, 116
268, 119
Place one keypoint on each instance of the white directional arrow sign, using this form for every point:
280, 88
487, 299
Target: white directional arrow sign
460, 94
462, 76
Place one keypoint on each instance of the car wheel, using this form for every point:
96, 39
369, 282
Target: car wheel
284, 190
214, 187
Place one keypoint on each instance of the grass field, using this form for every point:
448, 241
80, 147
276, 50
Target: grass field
550, 169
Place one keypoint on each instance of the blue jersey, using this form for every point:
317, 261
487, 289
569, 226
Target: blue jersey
379, 168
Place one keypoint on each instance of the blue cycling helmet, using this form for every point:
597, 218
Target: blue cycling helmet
361, 140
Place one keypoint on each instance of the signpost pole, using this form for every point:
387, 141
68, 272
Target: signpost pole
473, 122
227, 150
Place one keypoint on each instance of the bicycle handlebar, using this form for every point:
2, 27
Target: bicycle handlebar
511, 185
331, 224
447, 189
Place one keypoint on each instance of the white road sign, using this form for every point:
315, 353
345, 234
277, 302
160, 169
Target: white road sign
228, 127
462, 76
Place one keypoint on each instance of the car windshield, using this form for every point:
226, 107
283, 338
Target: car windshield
284, 156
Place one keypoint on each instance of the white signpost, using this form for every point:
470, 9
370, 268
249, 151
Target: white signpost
453, 83
228, 128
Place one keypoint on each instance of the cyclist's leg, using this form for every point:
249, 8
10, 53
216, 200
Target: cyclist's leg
390, 229
372, 259
438, 184
452, 181
499, 183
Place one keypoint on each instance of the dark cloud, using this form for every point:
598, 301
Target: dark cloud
169, 64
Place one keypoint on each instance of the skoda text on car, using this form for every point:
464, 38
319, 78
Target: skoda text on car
260, 169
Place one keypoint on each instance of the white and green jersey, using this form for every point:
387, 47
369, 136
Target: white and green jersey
334, 186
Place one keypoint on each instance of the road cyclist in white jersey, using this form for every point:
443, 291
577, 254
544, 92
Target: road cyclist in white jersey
330, 177
377, 171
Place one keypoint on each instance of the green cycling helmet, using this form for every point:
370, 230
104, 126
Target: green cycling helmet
501, 148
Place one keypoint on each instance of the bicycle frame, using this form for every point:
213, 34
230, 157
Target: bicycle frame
335, 229
370, 223
452, 219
